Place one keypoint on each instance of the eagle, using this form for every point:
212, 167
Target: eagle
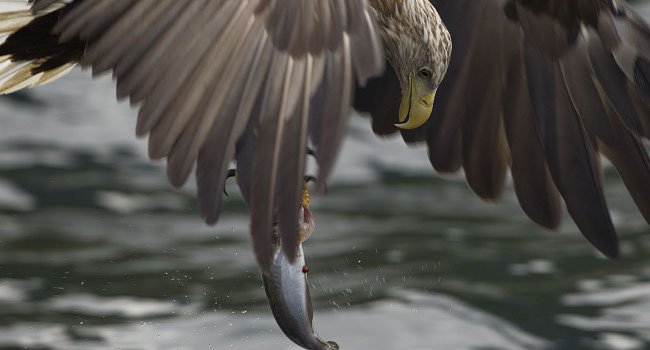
537, 88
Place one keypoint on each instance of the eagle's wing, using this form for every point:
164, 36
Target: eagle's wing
541, 91
217, 79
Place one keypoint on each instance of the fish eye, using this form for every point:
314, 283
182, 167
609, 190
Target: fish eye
425, 73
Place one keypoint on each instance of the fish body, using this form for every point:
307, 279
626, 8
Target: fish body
288, 294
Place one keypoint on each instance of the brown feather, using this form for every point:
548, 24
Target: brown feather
533, 184
622, 146
569, 152
292, 159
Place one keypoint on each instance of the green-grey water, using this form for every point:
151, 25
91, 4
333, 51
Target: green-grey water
97, 251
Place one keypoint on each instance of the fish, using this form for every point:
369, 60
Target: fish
287, 290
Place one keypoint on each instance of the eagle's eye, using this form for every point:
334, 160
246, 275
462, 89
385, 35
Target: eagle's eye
425, 73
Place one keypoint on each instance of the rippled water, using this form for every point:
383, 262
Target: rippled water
98, 252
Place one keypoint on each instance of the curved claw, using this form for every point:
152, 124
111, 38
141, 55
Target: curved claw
310, 178
314, 179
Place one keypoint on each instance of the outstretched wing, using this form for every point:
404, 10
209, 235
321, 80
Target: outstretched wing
216, 80
540, 87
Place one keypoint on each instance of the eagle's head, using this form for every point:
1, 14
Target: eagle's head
418, 46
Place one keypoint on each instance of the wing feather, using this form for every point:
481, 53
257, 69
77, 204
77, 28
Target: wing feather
541, 87
569, 151
212, 102
532, 181
328, 131
293, 161
444, 136
211, 165
144, 72
245, 88
617, 142
485, 155
266, 157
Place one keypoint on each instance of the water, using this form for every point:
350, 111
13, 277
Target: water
97, 251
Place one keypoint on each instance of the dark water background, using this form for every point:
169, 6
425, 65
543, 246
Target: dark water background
98, 252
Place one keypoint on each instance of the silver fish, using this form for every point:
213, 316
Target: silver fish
288, 292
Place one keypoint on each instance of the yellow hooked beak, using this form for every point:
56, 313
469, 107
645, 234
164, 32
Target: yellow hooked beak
415, 108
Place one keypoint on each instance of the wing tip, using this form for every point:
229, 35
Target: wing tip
549, 220
263, 260
606, 242
611, 251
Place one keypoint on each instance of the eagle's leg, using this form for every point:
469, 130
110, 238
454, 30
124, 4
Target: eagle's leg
308, 178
